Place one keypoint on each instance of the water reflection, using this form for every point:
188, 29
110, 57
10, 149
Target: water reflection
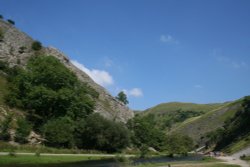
114, 163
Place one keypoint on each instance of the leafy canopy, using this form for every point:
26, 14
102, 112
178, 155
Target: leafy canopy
47, 89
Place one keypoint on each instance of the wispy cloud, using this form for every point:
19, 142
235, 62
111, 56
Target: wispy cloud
231, 63
135, 92
228, 61
168, 39
108, 62
101, 77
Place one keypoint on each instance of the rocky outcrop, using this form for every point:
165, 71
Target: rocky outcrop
15, 48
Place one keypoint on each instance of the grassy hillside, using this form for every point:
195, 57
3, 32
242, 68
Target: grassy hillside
198, 127
169, 115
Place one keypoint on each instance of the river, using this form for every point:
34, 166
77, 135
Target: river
114, 163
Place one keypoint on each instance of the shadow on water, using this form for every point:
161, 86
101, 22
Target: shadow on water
114, 163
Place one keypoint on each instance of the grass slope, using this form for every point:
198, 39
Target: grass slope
169, 115
199, 126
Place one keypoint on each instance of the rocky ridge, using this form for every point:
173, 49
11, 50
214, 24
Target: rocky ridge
15, 48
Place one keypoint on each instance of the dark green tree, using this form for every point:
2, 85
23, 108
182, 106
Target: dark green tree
11, 21
36, 45
178, 144
105, 135
59, 132
144, 132
47, 89
122, 97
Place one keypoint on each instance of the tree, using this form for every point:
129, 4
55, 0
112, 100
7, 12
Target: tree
144, 132
36, 45
103, 134
11, 22
47, 89
122, 97
178, 144
59, 132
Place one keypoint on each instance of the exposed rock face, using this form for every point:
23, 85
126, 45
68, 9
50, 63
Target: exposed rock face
15, 48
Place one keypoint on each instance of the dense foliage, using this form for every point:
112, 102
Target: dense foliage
144, 132
22, 131
48, 90
178, 144
102, 134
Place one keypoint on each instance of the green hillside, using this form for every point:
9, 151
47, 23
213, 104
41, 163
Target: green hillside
169, 115
215, 123
197, 127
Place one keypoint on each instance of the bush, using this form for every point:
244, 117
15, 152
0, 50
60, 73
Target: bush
11, 22
22, 49
5, 126
3, 66
22, 131
1, 35
59, 132
105, 135
1, 16
36, 45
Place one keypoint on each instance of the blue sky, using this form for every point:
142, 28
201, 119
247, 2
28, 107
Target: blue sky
156, 50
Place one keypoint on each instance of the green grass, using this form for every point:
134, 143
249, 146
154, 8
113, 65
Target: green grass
211, 120
6, 147
32, 159
173, 106
238, 145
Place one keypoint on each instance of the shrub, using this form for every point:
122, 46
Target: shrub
1, 35
36, 45
22, 49
11, 22
59, 132
22, 131
3, 66
105, 135
4, 128
1, 16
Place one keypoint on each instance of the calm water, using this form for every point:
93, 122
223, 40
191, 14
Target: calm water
113, 163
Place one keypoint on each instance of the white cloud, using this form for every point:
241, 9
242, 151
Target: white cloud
101, 77
168, 39
135, 92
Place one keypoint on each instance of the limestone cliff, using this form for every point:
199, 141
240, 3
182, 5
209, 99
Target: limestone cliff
15, 48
